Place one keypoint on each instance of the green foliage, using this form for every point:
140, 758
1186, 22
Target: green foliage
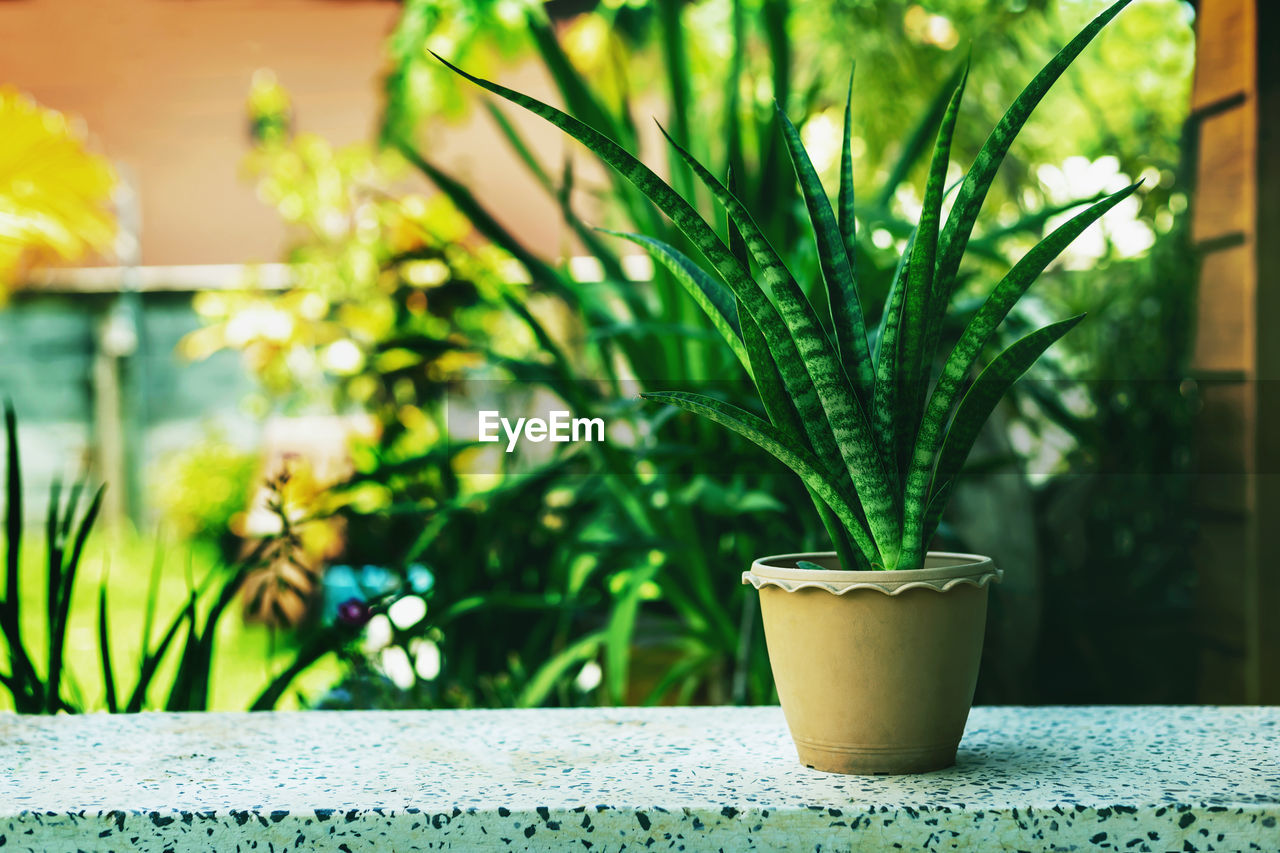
187, 643
66, 530
625, 562
203, 488
735, 58
830, 406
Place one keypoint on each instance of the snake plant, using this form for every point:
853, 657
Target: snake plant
875, 437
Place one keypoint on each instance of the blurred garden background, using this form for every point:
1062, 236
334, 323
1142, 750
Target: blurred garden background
254, 255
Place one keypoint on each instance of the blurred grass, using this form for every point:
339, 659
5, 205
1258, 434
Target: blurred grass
246, 657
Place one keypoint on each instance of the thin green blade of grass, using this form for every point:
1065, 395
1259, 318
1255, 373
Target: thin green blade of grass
581, 101
62, 595
535, 692
618, 634
486, 224
676, 65
28, 696
52, 527
180, 690
609, 260
104, 646
312, 652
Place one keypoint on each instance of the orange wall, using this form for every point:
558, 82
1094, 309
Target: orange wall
161, 85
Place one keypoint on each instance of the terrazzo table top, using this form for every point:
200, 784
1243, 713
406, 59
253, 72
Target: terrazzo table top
1129, 779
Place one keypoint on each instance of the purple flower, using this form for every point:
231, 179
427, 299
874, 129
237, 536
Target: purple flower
353, 612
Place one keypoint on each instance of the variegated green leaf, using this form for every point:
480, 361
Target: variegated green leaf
833, 258
787, 356
774, 442
848, 225
782, 413
885, 403
939, 292
976, 406
838, 404
977, 182
711, 296
915, 359
964, 356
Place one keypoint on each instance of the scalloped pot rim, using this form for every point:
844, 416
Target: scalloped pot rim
942, 571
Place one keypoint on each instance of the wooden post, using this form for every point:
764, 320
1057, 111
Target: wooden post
1236, 228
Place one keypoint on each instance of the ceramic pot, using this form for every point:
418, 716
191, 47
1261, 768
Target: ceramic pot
875, 670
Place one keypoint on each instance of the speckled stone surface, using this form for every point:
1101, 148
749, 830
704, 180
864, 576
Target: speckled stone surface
1129, 779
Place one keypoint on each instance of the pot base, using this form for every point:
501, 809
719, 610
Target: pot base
875, 760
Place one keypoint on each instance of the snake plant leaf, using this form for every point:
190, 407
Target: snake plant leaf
737, 245
885, 401
710, 295
933, 514
590, 240
484, 221
978, 404
917, 143
939, 291
918, 302
845, 201
964, 357
776, 443
977, 182
788, 357
773, 393
844, 414
833, 257
782, 413
694, 227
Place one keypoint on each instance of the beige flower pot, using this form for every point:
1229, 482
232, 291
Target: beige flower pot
875, 670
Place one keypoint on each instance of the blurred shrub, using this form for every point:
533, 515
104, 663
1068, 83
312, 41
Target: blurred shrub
1118, 115
608, 573
201, 490
55, 196
171, 664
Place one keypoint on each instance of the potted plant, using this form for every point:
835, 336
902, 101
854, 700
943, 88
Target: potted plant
874, 646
